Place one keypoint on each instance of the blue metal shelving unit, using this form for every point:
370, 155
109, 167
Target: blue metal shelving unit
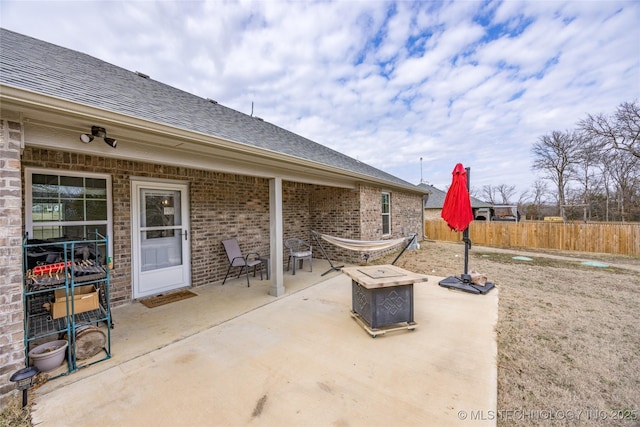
80, 263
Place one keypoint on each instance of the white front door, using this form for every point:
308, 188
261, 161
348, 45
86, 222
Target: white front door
160, 237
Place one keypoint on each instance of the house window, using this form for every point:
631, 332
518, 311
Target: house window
67, 205
386, 213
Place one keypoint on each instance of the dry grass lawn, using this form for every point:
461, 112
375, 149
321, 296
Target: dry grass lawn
568, 334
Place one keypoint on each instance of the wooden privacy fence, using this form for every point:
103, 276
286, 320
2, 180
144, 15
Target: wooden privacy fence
611, 238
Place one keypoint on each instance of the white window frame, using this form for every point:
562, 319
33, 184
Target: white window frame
386, 214
28, 201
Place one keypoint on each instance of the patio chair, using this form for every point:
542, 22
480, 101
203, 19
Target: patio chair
236, 259
299, 250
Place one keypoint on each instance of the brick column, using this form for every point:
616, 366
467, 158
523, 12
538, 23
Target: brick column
11, 305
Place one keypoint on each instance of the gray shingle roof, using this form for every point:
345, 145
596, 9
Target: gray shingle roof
436, 198
45, 68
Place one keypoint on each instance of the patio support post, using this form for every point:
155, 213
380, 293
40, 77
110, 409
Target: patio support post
276, 237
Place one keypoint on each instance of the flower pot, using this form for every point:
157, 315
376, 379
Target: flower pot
48, 356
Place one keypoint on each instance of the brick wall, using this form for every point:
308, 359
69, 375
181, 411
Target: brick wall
358, 215
11, 314
406, 214
335, 211
295, 210
224, 206
371, 212
432, 214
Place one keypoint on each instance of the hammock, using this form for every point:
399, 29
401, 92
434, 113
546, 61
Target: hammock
359, 245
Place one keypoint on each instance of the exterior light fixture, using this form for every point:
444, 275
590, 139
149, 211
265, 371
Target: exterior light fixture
110, 142
24, 380
100, 132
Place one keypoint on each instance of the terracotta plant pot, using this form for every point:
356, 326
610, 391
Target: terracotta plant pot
48, 356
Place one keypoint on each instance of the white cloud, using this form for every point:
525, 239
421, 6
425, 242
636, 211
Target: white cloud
386, 83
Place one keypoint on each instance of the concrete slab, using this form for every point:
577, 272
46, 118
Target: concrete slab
296, 360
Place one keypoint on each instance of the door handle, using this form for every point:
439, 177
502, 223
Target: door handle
186, 234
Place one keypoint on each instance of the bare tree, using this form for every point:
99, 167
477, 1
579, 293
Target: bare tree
474, 192
589, 157
506, 192
556, 155
625, 174
595, 169
532, 201
524, 198
620, 131
489, 194
605, 174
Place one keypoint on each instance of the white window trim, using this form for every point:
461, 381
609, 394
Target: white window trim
28, 200
387, 214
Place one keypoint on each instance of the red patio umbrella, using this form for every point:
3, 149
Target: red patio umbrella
456, 209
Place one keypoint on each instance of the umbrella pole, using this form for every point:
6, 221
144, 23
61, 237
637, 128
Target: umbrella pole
466, 278
467, 245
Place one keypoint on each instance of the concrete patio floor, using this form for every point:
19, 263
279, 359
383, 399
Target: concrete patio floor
235, 356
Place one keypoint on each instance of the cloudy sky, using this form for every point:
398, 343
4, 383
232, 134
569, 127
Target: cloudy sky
388, 83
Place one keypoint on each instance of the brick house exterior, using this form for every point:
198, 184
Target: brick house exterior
215, 195
245, 184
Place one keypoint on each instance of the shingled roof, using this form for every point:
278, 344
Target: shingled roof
44, 68
437, 196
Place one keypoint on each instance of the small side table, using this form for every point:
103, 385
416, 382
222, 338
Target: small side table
266, 261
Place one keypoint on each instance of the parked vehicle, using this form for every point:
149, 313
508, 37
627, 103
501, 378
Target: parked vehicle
498, 213
483, 214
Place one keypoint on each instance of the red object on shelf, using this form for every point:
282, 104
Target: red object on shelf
51, 268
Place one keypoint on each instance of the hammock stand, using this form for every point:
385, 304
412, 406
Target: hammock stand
359, 245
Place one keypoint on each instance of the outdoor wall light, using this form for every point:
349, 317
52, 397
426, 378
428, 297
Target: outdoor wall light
100, 133
24, 379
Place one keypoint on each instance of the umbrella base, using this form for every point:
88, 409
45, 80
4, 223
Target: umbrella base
465, 285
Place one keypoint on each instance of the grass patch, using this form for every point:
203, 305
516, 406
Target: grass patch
544, 261
14, 416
